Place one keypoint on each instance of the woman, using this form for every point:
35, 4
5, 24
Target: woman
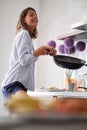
20, 76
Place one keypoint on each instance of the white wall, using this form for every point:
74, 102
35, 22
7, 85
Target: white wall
56, 18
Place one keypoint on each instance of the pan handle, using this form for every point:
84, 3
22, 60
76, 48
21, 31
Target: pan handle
85, 64
48, 50
83, 88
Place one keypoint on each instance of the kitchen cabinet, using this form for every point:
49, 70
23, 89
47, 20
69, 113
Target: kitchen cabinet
76, 35
82, 25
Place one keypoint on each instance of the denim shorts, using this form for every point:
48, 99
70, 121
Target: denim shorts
12, 89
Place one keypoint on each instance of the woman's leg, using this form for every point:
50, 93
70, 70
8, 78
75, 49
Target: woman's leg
20, 93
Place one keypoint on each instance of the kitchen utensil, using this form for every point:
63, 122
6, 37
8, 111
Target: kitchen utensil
68, 61
85, 89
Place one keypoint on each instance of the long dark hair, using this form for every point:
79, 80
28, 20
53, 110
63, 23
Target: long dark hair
21, 24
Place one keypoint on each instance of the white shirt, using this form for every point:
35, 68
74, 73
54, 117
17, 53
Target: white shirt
22, 62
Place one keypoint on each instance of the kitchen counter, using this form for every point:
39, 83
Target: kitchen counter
57, 94
47, 121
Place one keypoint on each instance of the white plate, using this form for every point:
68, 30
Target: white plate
50, 90
55, 90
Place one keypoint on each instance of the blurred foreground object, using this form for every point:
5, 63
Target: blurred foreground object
23, 105
70, 105
59, 106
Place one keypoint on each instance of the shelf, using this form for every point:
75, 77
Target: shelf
77, 35
80, 25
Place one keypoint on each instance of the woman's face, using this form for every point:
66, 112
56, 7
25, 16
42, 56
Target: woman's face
31, 19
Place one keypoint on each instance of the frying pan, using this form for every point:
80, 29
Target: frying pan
68, 61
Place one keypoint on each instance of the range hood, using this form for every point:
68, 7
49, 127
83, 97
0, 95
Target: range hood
82, 25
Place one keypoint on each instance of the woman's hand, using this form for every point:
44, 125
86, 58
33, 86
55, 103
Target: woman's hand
45, 50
